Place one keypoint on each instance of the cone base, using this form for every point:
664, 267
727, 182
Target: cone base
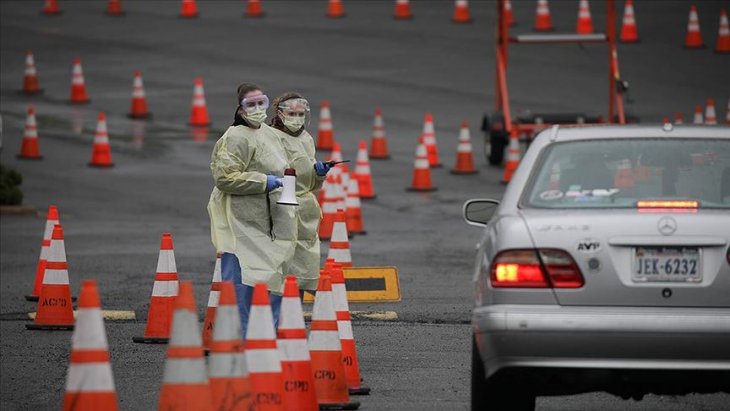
368, 197
363, 232
336, 16
697, 47
116, 13
544, 30
361, 390
34, 298
49, 327
22, 157
464, 172
30, 92
352, 405
190, 16
51, 13
722, 51
403, 17
386, 157
141, 116
437, 165
101, 165
151, 340
425, 189
461, 21
254, 16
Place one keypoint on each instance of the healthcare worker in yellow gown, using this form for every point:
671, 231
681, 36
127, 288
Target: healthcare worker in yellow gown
289, 123
255, 235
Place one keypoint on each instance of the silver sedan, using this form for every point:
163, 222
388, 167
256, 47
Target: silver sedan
605, 267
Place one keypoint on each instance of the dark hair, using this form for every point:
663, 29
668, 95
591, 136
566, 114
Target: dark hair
276, 121
243, 89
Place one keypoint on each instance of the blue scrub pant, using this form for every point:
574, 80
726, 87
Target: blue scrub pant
231, 271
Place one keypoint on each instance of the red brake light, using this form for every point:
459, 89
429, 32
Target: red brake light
525, 269
668, 206
561, 268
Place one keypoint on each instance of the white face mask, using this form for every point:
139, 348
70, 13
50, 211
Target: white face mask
293, 123
256, 117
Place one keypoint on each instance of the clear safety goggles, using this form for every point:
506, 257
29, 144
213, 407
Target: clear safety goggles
255, 103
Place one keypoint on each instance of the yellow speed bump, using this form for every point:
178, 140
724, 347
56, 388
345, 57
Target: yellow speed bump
369, 284
109, 315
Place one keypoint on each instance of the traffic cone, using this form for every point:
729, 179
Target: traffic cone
296, 364
340, 245
29, 148
378, 144
508, 15
185, 383
50, 8
164, 292
253, 9
335, 9
513, 157
624, 176
678, 118
354, 211
262, 355
189, 9
199, 113
30, 77
213, 297
329, 208
710, 116
629, 31
139, 100
78, 86
464, 157
54, 310
722, 45
325, 350
101, 154
585, 22
344, 326
461, 12
336, 155
229, 382
403, 10
693, 40
362, 172
421, 170
698, 117
325, 135
543, 21
114, 8
89, 381
429, 140
51, 220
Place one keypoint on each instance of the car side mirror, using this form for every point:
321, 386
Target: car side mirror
478, 212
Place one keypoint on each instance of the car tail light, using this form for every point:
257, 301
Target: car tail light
667, 206
544, 268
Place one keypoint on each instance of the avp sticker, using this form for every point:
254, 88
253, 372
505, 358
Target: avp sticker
588, 245
551, 195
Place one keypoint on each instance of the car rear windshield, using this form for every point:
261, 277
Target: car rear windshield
618, 173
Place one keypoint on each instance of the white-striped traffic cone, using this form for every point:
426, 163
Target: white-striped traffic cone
210, 312
340, 245
52, 218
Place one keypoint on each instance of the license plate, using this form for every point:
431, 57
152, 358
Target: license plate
667, 264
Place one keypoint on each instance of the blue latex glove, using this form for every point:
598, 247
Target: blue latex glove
272, 183
321, 168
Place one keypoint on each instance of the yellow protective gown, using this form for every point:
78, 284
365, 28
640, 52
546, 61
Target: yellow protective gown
305, 262
261, 233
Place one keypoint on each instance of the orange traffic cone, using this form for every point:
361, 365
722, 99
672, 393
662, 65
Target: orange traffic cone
29, 148
199, 113
698, 117
378, 144
585, 22
253, 9
114, 8
325, 135
340, 245
347, 339
185, 383
722, 45
543, 21
189, 9
54, 310
78, 86
210, 312
464, 157
513, 156
89, 381
429, 140
30, 77
461, 12
335, 9
139, 100
354, 211
101, 154
325, 349
296, 364
164, 292
362, 172
229, 382
678, 118
624, 176
262, 356
403, 10
51, 220
329, 208
710, 116
421, 170
50, 8
693, 40
508, 15
629, 31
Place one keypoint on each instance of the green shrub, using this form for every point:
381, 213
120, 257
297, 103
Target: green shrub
10, 193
